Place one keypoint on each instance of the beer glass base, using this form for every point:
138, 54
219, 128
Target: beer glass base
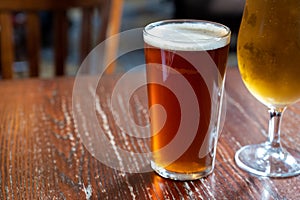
263, 160
179, 176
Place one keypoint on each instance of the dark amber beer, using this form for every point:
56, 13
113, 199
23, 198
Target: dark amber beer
195, 51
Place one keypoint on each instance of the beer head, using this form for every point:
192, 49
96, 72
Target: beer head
185, 35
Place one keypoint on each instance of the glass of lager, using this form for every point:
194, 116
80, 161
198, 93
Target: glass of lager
269, 62
185, 66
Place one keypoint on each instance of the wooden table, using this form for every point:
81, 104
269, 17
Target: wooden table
42, 157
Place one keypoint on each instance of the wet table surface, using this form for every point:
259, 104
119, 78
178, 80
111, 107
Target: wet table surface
43, 154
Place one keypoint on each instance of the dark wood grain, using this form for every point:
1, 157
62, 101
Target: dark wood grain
41, 156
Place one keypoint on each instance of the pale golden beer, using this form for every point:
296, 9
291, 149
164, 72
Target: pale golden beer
269, 51
173, 45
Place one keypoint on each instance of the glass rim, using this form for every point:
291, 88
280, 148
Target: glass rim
181, 21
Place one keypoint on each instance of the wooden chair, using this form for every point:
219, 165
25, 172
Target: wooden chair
110, 12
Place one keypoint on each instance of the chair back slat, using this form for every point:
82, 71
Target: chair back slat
33, 35
60, 41
86, 36
6, 43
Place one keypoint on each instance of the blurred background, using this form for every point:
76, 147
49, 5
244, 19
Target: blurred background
135, 14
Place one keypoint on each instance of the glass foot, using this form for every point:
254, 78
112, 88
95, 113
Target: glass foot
263, 160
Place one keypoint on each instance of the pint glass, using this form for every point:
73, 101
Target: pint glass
185, 66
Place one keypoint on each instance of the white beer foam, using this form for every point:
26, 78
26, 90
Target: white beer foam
187, 36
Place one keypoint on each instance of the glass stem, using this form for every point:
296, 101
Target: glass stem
274, 127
